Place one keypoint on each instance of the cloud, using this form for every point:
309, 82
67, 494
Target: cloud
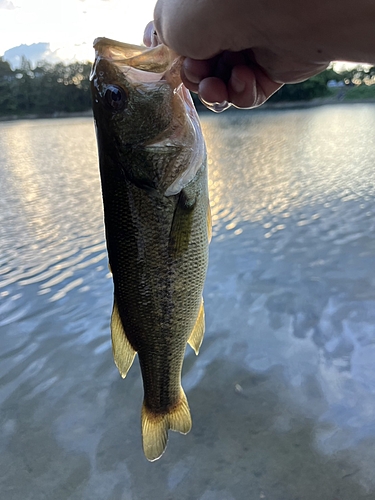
38, 52
34, 53
7, 4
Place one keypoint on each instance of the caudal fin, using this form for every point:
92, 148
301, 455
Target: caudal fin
155, 427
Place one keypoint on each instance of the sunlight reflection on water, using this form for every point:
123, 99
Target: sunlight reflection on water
253, 178
286, 369
50, 180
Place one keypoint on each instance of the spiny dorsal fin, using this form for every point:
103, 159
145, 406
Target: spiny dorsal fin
209, 223
155, 427
196, 336
123, 352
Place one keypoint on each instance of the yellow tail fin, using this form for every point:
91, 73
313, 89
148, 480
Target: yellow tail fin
155, 427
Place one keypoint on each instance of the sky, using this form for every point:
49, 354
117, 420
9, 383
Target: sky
68, 27
63, 30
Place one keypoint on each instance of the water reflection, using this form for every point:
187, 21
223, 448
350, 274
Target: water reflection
288, 162
303, 266
49, 177
282, 393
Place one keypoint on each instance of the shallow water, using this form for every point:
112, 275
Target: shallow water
283, 391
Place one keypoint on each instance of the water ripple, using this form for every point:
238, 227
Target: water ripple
286, 368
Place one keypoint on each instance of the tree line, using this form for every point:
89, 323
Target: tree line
358, 83
44, 90
52, 89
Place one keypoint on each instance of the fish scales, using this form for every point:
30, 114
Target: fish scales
150, 283
157, 223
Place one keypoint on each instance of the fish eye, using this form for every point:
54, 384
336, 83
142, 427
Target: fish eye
116, 97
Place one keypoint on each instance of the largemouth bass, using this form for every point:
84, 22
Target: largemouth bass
157, 221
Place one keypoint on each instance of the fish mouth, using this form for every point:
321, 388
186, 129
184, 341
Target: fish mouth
141, 66
116, 49
140, 63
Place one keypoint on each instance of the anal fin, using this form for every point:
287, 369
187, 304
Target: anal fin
123, 352
196, 336
155, 427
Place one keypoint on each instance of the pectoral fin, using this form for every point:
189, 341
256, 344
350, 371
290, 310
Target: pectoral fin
123, 352
180, 233
155, 427
196, 336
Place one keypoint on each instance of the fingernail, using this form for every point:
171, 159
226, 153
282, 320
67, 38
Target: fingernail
237, 84
154, 39
216, 107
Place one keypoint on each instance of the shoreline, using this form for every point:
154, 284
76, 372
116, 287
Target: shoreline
200, 108
62, 114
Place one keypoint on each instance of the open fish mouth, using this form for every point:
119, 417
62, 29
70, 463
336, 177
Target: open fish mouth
136, 60
142, 66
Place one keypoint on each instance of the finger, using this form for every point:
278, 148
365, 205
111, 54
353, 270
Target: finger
266, 87
147, 35
188, 27
195, 71
150, 37
213, 93
188, 84
249, 87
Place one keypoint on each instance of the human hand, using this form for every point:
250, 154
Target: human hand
228, 78
241, 52
150, 37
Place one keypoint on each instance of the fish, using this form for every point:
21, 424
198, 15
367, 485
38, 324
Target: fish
153, 170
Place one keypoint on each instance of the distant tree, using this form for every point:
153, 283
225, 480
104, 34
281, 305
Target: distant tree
49, 89
310, 89
8, 104
5, 69
317, 85
44, 90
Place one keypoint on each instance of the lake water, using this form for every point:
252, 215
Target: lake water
282, 393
